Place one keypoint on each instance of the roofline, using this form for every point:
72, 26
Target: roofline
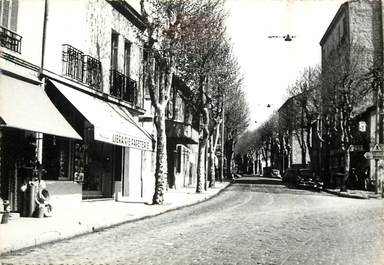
289, 100
129, 12
333, 22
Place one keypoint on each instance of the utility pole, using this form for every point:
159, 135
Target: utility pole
378, 88
222, 142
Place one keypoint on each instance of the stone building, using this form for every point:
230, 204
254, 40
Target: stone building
72, 92
290, 118
352, 46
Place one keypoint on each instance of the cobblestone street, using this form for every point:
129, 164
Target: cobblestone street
257, 221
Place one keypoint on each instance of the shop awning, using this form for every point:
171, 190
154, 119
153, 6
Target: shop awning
112, 123
26, 106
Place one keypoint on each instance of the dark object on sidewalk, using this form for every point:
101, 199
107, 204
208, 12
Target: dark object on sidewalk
39, 213
30, 197
5, 217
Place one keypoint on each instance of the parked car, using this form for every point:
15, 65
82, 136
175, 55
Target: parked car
276, 173
308, 179
271, 172
291, 175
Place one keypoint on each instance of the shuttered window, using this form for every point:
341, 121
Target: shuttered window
8, 14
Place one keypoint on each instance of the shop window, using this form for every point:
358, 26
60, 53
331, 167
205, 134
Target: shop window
56, 157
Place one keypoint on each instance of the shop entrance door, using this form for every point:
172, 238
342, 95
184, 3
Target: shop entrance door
132, 181
98, 179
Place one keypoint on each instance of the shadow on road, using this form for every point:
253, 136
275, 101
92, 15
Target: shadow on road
271, 185
267, 181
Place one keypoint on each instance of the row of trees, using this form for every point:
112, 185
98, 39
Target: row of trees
188, 38
322, 107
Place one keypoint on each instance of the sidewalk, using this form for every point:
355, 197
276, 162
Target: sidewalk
356, 194
92, 216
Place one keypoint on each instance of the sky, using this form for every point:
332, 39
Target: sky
270, 65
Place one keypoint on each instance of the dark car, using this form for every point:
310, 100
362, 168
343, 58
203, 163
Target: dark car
308, 179
291, 174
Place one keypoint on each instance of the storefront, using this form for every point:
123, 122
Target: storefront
27, 116
111, 160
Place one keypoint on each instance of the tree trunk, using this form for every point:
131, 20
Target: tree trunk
201, 166
212, 172
309, 145
203, 139
161, 158
347, 156
229, 155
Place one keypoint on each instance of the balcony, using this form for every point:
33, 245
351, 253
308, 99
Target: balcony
72, 62
181, 132
92, 72
10, 40
123, 87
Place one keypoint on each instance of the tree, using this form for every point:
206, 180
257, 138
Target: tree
227, 83
236, 121
201, 63
164, 21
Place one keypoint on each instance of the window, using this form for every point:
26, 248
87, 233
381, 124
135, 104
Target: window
8, 24
145, 62
170, 104
114, 50
127, 58
57, 158
92, 72
179, 108
8, 14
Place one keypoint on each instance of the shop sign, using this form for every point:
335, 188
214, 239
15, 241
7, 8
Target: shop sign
375, 153
362, 126
120, 139
356, 148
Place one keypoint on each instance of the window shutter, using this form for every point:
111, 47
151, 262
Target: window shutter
5, 15
14, 12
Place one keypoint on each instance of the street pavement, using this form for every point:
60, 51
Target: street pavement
254, 221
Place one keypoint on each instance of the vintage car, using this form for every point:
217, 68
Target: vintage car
291, 174
308, 179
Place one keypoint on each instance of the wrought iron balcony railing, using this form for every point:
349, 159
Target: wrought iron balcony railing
72, 62
10, 40
92, 72
123, 87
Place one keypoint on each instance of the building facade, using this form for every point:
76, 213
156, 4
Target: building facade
353, 43
71, 95
182, 137
292, 135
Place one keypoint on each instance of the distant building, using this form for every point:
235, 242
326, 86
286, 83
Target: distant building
354, 41
291, 117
